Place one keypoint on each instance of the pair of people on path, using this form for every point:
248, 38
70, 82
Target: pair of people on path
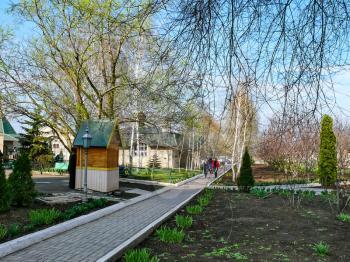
211, 166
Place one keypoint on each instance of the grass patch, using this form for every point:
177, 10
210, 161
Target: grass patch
183, 222
170, 235
344, 217
321, 248
3, 232
44, 216
163, 174
14, 230
83, 208
194, 210
139, 255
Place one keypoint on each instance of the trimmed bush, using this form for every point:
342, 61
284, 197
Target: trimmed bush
170, 235
21, 183
44, 216
139, 255
327, 163
245, 179
5, 195
183, 222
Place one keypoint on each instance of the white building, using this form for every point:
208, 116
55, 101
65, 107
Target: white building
56, 144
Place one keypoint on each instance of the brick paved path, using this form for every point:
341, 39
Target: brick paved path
93, 240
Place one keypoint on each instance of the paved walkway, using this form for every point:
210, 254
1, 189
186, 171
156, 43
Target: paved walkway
93, 240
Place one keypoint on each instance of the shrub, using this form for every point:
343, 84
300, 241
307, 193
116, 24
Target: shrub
259, 192
5, 196
344, 217
21, 183
245, 179
14, 230
3, 232
327, 165
183, 221
203, 201
44, 216
321, 248
170, 235
194, 210
139, 255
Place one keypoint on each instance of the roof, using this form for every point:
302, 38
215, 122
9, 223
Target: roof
151, 136
100, 130
7, 129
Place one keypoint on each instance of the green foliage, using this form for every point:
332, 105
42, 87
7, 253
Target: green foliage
5, 196
3, 232
203, 201
170, 235
82, 208
154, 162
14, 230
44, 216
344, 217
327, 163
321, 248
259, 192
239, 256
245, 179
183, 222
21, 183
139, 255
35, 145
194, 210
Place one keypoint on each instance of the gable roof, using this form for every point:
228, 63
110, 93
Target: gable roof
100, 130
7, 129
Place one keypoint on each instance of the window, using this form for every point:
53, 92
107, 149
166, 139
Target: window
56, 146
143, 149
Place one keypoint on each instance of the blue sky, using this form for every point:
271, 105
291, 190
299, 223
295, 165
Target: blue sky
341, 81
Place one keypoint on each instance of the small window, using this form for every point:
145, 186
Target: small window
143, 150
56, 146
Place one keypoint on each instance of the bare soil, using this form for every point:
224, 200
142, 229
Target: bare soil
238, 226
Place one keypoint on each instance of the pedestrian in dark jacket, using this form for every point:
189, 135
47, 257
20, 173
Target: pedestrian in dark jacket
205, 169
210, 166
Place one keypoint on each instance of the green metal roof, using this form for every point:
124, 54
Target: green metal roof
100, 130
7, 129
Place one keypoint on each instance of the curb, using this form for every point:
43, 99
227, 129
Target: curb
36, 237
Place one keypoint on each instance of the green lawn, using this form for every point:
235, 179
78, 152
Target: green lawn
163, 174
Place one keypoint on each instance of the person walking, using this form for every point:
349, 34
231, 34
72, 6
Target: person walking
210, 166
205, 168
216, 167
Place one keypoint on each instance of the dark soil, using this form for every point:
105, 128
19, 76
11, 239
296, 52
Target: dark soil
237, 225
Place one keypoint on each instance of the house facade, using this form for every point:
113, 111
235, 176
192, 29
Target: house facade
154, 143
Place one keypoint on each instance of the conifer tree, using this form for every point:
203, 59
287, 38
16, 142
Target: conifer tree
5, 197
21, 183
154, 162
245, 179
327, 162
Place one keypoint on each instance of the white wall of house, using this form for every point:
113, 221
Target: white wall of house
167, 157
